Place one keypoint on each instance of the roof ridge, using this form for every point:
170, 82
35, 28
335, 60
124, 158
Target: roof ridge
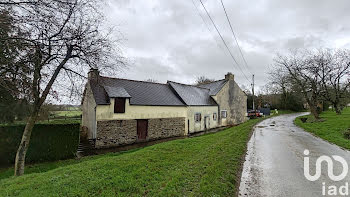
213, 82
188, 85
134, 80
219, 80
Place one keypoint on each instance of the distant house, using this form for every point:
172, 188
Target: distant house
121, 111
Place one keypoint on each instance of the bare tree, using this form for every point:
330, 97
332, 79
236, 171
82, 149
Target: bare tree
303, 75
60, 35
279, 80
334, 72
203, 80
152, 80
245, 89
321, 75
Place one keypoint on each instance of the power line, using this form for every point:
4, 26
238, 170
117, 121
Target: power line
206, 24
234, 35
224, 41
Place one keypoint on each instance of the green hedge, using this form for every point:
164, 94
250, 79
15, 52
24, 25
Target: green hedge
48, 142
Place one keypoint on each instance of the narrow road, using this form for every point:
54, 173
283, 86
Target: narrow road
274, 163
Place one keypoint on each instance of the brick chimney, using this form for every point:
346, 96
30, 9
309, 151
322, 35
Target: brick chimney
93, 74
229, 76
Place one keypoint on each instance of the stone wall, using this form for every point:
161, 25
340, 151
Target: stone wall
165, 127
112, 133
89, 114
238, 104
234, 100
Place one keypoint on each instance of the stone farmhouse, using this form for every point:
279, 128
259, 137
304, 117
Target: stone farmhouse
121, 111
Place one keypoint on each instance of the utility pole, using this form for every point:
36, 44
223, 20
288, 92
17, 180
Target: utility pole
253, 93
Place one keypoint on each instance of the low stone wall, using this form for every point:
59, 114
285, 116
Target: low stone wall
112, 133
165, 127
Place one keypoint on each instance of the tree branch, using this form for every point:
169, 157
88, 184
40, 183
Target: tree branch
72, 71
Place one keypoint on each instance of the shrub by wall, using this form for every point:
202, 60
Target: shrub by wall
48, 142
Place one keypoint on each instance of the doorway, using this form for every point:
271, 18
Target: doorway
142, 129
206, 122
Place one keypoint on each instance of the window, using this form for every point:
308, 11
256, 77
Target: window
119, 105
223, 114
215, 116
197, 117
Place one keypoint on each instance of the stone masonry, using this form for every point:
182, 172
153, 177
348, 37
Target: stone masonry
238, 104
234, 100
165, 127
112, 133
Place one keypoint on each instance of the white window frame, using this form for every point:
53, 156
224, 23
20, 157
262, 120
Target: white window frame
225, 113
215, 116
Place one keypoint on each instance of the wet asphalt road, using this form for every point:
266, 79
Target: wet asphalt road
274, 163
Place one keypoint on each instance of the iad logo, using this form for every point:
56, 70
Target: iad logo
329, 162
331, 190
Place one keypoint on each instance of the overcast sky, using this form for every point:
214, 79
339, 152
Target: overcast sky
168, 40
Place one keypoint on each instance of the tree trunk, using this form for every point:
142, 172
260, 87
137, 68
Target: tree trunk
314, 112
23, 147
337, 109
284, 95
313, 105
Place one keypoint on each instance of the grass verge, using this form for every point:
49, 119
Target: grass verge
331, 129
208, 165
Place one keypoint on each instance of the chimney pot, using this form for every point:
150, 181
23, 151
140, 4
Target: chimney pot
229, 76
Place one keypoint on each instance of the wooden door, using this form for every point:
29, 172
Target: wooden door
142, 129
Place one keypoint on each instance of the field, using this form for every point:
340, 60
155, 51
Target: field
331, 129
74, 113
56, 117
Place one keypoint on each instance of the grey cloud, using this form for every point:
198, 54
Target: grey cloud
303, 42
168, 40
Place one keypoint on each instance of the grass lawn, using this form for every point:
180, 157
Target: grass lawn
200, 166
331, 129
44, 166
208, 165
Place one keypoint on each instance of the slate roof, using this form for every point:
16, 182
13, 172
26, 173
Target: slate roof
193, 95
100, 95
214, 87
140, 92
114, 92
154, 94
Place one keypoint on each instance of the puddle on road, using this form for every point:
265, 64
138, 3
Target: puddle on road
261, 126
273, 123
